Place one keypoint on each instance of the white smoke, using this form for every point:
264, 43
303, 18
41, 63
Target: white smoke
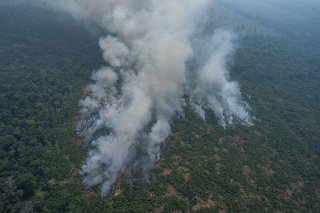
129, 111
213, 90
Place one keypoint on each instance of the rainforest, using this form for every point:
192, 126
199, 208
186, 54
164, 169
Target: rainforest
211, 106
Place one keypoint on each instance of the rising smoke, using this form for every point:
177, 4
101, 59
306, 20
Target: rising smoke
129, 110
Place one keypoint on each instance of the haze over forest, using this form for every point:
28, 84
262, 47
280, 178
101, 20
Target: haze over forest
159, 106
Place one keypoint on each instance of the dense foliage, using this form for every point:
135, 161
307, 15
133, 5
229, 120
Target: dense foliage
45, 64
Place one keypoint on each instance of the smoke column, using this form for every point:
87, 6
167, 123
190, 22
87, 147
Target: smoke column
211, 88
129, 110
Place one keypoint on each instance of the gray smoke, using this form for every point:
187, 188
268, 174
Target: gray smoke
129, 110
212, 89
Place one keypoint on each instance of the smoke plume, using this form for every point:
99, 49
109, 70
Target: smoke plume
212, 90
129, 111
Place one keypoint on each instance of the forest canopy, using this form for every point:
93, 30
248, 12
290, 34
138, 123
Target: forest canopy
46, 60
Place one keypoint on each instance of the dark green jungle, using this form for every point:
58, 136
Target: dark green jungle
46, 62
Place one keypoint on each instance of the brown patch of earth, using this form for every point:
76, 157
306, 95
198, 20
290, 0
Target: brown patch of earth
186, 172
218, 166
159, 210
204, 204
246, 170
166, 171
217, 157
